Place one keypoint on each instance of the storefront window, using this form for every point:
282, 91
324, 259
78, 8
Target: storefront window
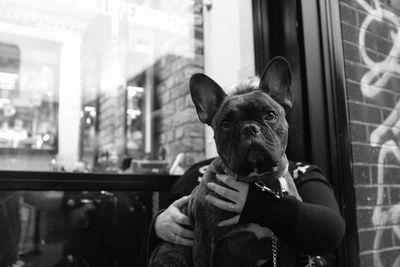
91, 92
69, 228
99, 85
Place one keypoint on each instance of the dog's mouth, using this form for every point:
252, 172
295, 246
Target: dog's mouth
255, 158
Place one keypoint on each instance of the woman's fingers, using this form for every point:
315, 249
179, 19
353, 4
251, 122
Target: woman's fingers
180, 218
182, 231
182, 236
226, 179
231, 221
224, 205
176, 212
183, 241
169, 224
225, 192
236, 197
172, 237
179, 203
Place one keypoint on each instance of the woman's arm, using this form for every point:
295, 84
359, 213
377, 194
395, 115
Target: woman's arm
313, 226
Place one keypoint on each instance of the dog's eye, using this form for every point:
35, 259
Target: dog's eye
270, 116
225, 124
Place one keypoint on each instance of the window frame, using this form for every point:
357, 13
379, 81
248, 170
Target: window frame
67, 181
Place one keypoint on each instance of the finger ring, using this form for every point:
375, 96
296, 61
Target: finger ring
233, 207
172, 236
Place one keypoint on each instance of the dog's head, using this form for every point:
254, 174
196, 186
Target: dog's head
250, 129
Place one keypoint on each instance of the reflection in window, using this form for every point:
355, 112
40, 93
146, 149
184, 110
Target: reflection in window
61, 229
27, 105
94, 83
134, 120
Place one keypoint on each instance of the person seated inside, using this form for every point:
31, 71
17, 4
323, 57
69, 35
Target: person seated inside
313, 226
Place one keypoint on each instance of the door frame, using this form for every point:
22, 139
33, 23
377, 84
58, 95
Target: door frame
339, 131
325, 110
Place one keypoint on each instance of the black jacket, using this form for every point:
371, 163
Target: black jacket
312, 227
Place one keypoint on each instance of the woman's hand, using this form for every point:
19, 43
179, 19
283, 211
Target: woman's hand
237, 197
169, 224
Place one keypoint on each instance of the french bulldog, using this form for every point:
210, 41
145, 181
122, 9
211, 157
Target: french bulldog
251, 133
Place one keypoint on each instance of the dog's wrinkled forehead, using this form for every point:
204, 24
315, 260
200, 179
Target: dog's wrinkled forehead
237, 105
240, 93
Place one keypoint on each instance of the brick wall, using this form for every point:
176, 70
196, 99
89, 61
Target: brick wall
112, 119
371, 45
175, 123
111, 135
177, 128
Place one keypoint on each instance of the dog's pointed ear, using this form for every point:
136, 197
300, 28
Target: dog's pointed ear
207, 95
276, 80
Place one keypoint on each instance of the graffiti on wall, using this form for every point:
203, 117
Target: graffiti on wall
388, 133
379, 73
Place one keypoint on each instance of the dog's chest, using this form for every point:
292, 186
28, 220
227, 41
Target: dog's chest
202, 211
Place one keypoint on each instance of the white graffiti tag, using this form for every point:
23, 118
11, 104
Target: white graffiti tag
388, 133
379, 72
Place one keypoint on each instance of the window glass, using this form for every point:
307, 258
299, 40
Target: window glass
99, 85
103, 86
60, 229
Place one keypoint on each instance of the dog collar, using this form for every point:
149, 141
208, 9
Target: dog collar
251, 178
280, 192
277, 187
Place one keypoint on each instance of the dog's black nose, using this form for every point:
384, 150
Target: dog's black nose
250, 129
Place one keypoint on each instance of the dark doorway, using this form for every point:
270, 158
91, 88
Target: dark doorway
277, 33
307, 33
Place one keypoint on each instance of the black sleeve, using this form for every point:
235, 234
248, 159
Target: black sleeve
313, 226
151, 241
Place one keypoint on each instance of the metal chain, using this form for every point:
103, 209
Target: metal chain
260, 184
274, 250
